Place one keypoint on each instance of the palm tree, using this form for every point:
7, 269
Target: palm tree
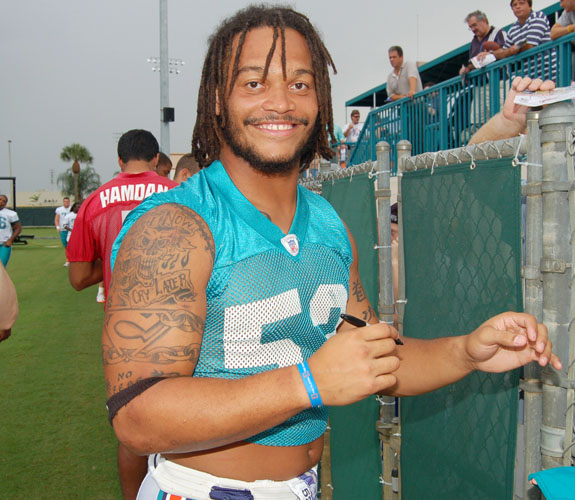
79, 154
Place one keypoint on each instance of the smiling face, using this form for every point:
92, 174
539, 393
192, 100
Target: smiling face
269, 123
3, 201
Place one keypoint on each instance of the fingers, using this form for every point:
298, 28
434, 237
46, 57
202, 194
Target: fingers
377, 332
521, 330
519, 323
521, 84
547, 85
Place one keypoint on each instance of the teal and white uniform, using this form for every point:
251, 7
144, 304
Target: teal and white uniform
272, 299
7, 219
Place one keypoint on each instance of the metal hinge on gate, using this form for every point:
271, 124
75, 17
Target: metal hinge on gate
549, 265
571, 142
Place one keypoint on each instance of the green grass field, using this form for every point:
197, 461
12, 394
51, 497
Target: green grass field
55, 440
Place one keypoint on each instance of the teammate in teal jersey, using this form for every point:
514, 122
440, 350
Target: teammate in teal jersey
219, 342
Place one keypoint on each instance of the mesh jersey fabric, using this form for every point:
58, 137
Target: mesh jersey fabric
7, 218
266, 307
101, 216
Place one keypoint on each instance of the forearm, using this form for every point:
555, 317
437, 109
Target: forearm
557, 30
207, 413
85, 274
426, 365
16, 230
498, 127
503, 53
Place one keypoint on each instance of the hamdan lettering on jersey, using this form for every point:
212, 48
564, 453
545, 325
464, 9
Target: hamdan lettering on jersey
129, 192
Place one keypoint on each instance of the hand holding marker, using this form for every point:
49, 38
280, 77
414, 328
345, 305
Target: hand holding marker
352, 320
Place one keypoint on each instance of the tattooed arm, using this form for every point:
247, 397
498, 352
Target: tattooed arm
153, 327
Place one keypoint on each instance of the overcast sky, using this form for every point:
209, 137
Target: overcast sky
77, 71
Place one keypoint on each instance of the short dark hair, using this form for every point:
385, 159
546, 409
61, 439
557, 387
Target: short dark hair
396, 48
530, 2
164, 159
65, 198
354, 112
137, 144
4, 196
217, 82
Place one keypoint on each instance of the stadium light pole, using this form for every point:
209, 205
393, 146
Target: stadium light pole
10, 156
165, 67
164, 78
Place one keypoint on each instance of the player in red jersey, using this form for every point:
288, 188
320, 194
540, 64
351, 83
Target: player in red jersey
102, 214
96, 227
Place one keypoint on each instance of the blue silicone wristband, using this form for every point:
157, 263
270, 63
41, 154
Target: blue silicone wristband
309, 384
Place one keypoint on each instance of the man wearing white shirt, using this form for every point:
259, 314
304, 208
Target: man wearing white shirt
353, 129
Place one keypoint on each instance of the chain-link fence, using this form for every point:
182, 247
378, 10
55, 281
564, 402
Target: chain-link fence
473, 243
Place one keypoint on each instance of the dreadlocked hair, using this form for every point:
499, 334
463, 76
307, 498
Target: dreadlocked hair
214, 86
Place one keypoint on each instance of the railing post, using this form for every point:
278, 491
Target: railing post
531, 383
556, 268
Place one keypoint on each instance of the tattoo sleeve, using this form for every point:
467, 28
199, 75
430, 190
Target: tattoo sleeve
156, 309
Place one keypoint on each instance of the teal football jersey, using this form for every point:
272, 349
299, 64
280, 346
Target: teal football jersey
272, 299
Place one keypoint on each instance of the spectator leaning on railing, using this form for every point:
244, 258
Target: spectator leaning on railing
566, 22
404, 80
530, 30
485, 37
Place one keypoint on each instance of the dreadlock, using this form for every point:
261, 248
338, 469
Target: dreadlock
206, 140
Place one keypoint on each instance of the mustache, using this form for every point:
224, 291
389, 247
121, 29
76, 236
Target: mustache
276, 118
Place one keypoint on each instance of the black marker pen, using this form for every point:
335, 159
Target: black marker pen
352, 320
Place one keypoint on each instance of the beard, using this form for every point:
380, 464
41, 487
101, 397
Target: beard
271, 166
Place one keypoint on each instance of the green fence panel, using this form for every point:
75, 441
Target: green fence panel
355, 455
36, 216
462, 244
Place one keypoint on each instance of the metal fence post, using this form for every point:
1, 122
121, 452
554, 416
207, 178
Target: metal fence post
382, 200
403, 151
530, 458
569, 448
324, 166
556, 269
385, 302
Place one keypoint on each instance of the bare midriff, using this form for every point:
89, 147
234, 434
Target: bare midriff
249, 462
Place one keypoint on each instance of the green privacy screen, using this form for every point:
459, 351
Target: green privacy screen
355, 457
462, 252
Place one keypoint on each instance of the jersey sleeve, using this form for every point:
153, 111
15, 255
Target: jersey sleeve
13, 218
